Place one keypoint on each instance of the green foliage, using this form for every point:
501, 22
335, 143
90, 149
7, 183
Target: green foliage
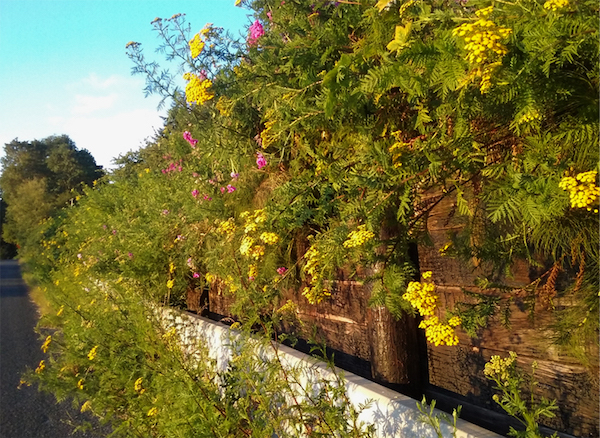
313, 153
510, 381
435, 420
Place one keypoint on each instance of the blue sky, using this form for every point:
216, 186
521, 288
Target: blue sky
63, 68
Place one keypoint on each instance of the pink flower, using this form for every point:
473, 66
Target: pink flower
260, 160
195, 193
187, 136
130, 255
256, 31
222, 189
270, 15
207, 198
190, 262
234, 175
281, 270
230, 188
196, 275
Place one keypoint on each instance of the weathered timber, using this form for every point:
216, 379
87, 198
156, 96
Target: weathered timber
394, 348
460, 369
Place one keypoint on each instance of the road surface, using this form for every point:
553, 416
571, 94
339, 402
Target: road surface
25, 412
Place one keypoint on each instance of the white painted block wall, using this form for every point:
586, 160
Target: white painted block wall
393, 414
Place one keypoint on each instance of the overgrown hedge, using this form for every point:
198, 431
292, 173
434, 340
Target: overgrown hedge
326, 125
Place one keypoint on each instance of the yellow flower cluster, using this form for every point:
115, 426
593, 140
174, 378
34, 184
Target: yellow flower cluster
92, 354
316, 293
438, 333
80, 384
482, 37
583, 190
87, 406
266, 136
197, 89
137, 386
246, 245
258, 216
152, 412
555, 5
252, 223
228, 282
486, 76
422, 297
252, 272
170, 283
500, 368
226, 228
46, 343
269, 238
358, 237
289, 308
530, 116
256, 252
40, 367
196, 45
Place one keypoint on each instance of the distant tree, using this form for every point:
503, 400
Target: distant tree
7, 250
39, 177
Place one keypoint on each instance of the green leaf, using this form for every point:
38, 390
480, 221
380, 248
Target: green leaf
400, 40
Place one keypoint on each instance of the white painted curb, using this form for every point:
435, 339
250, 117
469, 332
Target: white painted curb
393, 414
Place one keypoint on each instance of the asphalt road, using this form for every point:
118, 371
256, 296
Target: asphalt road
25, 412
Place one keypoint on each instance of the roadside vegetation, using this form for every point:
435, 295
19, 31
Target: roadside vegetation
322, 130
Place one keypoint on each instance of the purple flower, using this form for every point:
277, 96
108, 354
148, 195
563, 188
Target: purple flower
104, 226
260, 160
114, 232
130, 254
195, 193
256, 31
207, 198
281, 270
187, 136
235, 175
165, 212
230, 188
196, 275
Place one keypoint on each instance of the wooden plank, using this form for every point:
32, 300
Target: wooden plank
460, 369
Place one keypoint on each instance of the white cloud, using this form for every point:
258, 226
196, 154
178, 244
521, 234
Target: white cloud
86, 104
